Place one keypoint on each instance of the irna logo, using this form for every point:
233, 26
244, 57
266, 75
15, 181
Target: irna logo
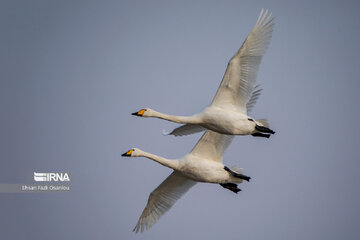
51, 177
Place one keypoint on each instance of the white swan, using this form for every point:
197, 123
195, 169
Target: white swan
202, 164
236, 95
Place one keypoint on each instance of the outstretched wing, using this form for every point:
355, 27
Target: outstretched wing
186, 129
240, 77
162, 199
212, 146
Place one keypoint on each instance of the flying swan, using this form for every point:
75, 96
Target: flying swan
237, 93
202, 164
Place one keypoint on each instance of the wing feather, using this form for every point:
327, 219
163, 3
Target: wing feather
162, 199
254, 97
212, 146
186, 129
239, 79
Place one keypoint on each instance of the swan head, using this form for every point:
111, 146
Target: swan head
134, 152
145, 112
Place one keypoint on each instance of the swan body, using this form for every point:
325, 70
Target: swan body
237, 93
196, 168
202, 170
225, 120
202, 164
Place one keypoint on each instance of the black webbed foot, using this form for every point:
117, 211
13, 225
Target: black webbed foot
238, 175
257, 134
264, 129
231, 186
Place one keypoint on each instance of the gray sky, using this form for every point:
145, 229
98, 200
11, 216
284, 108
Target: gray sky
73, 71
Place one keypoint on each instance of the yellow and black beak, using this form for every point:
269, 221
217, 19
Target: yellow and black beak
139, 113
128, 153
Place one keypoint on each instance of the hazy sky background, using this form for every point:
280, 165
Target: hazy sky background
73, 71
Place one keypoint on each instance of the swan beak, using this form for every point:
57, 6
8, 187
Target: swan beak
139, 113
127, 154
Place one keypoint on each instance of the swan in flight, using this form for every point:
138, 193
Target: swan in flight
228, 112
202, 164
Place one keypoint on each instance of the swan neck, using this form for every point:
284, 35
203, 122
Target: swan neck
172, 118
174, 164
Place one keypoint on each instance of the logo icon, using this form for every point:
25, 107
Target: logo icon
51, 177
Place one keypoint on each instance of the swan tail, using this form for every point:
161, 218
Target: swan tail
262, 122
236, 169
186, 129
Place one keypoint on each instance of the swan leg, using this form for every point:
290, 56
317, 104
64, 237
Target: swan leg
257, 134
264, 129
231, 186
238, 175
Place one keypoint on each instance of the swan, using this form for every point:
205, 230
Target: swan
202, 164
236, 95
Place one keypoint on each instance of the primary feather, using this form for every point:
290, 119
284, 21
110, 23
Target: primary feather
239, 79
162, 199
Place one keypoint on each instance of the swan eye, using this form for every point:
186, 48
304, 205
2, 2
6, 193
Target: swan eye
250, 119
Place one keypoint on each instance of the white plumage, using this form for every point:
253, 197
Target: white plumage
236, 95
202, 164
226, 116
162, 199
